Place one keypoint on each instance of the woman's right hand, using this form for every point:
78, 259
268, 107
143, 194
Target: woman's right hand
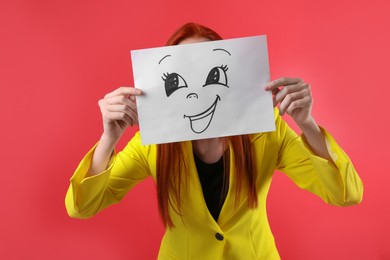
119, 111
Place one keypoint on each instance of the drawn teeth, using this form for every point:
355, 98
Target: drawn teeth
200, 122
194, 118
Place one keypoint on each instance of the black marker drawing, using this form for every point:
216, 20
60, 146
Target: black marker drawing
200, 122
216, 77
173, 82
192, 95
222, 50
164, 58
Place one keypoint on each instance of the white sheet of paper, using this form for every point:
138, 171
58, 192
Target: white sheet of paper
203, 90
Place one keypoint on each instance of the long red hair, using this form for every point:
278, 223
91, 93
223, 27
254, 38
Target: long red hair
171, 168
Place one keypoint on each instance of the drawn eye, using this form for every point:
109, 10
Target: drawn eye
217, 75
173, 82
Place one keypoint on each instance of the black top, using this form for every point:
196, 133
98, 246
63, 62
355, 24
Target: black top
211, 178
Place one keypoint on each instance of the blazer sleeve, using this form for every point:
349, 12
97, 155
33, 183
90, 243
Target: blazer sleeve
87, 195
337, 184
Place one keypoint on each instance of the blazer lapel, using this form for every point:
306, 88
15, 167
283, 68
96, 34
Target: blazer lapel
228, 208
194, 198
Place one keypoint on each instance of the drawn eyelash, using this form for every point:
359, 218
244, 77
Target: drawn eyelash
172, 82
217, 76
165, 76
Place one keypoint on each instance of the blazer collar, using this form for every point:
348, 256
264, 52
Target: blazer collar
195, 193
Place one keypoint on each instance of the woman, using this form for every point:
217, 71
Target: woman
212, 193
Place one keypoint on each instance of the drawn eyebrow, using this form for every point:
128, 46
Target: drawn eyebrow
164, 58
222, 50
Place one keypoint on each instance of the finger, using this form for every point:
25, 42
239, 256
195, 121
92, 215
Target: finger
118, 108
282, 82
127, 121
117, 116
122, 117
291, 89
120, 100
290, 98
134, 97
119, 104
274, 92
300, 103
124, 91
123, 108
135, 120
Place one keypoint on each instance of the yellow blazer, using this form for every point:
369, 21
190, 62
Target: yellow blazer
239, 233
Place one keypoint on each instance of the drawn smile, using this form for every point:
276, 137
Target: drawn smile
200, 122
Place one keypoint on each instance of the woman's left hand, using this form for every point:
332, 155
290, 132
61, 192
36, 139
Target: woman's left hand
294, 96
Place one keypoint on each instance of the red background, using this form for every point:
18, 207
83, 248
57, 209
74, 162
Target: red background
57, 58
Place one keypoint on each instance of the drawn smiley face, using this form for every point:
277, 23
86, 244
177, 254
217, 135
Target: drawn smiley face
216, 77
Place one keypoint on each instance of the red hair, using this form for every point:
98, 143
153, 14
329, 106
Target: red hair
171, 166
